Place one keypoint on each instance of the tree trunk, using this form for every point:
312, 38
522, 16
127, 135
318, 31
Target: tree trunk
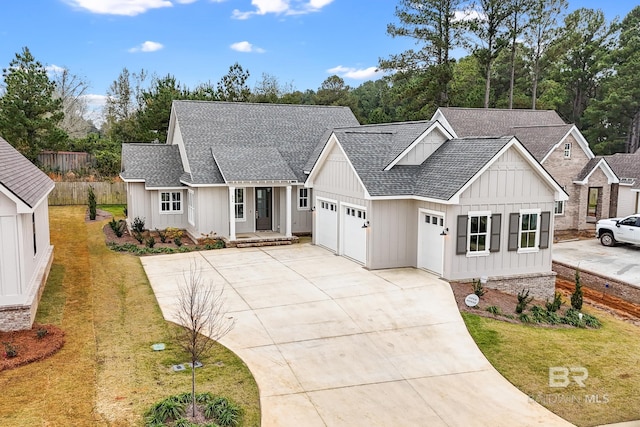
534, 85
513, 60
193, 388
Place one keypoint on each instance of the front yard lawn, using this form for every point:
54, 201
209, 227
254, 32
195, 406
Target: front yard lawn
524, 354
107, 373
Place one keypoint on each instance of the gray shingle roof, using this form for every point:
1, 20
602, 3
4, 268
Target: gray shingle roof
496, 122
626, 166
539, 140
159, 165
21, 177
538, 130
440, 176
241, 135
588, 168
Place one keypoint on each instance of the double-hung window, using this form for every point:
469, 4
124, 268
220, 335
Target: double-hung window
478, 237
303, 199
567, 150
559, 209
239, 204
529, 230
171, 202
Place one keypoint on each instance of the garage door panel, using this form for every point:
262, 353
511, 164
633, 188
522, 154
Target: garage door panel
354, 244
327, 225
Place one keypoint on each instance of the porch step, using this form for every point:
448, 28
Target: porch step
259, 243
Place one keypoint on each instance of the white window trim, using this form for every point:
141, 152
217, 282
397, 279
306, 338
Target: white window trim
244, 203
191, 212
561, 213
536, 246
170, 211
567, 150
307, 198
486, 252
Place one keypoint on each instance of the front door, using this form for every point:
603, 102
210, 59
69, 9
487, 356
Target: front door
431, 242
263, 208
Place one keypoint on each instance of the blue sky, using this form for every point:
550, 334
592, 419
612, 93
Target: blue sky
301, 42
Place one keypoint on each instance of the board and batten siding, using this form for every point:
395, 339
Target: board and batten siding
423, 149
393, 234
508, 186
9, 260
211, 211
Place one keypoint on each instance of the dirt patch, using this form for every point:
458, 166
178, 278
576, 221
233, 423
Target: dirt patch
30, 345
505, 302
100, 215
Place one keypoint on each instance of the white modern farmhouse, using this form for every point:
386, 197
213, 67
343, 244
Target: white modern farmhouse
26, 253
392, 195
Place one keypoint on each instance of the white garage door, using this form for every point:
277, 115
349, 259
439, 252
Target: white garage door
431, 242
327, 225
354, 244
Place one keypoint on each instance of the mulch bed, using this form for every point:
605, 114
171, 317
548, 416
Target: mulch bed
29, 347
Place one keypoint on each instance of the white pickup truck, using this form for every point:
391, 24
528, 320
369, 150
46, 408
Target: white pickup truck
624, 230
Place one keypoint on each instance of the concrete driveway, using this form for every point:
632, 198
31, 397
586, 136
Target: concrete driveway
332, 344
621, 262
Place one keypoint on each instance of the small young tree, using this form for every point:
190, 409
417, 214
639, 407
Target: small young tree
201, 312
92, 204
576, 297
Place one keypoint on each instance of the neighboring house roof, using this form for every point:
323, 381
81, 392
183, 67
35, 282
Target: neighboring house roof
539, 140
159, 165
496, 122
591, 166
626, 167
236, 141
21, 177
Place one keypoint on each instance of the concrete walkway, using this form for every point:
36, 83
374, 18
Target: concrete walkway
332, 344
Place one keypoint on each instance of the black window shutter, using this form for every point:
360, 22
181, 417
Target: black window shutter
545, 225
514, 226
496, 225
461, 235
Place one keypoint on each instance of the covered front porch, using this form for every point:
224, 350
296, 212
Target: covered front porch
260, 212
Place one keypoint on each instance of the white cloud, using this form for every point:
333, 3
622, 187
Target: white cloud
95, 108
245, 46
54, 69
469, 15
286, 7
147, 46
356, 73
120, 7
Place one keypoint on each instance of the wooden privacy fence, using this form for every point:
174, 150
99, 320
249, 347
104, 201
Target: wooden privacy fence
65, 161
76, 193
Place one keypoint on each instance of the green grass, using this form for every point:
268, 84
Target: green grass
523, 354
107, 373
116, 210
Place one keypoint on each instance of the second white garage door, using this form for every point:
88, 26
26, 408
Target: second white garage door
327, 224
354, 243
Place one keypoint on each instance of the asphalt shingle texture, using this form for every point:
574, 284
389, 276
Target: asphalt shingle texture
21, 177
159, 165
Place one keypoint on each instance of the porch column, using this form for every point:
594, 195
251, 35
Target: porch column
287, 226
232, 213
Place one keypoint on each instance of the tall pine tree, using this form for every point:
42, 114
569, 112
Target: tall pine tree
29, 112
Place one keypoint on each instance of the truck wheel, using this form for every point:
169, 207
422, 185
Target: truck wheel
607, 239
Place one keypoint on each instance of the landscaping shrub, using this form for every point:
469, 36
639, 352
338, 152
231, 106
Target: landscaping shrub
494, 310
174, 233
92, 203
478, 288
162, 234
150, 242
524, 318
41, 333
138, 236
10, 350
177, 241
117, 227
523, 300
218, 411
554, 306
138, 224
576, 297
538, 314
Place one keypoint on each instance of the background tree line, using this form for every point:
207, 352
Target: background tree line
485, 53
